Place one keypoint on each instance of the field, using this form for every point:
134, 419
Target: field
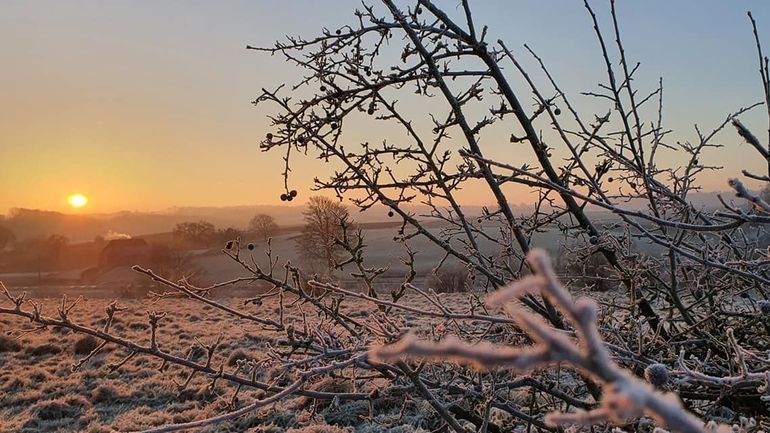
380, 251
41, 393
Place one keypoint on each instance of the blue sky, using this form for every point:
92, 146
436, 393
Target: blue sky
145, 104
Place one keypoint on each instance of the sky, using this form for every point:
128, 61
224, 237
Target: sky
143, 105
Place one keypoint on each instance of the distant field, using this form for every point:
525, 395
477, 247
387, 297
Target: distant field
381, 251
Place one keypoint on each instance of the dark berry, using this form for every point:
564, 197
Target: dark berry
293, 193
609, 179
370, 111
419, 11
250, 247
229, 245
269, 136
323, 88
594, 240
289, 198
333, 125
557, 111
656, 374
339, 32
390, 213
284, 197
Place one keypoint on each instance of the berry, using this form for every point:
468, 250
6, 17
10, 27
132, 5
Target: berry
229, 245
293, 193
284, 197
269, 136
609, 179
323, 88
557, 111
656, 374
390, 213
594, 240
764, 306
333, 125
250, 247
419, 11
339, 32
289, 198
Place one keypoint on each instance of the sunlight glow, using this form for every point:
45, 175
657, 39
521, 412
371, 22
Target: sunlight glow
77, 200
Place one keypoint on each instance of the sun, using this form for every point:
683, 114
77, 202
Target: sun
77, 200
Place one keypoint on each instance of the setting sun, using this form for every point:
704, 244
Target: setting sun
77, 200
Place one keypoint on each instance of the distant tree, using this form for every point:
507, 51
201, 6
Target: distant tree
228, 234
317, 244
6, 237
194, 234
264, 226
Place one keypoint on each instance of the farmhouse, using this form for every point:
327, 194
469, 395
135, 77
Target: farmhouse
121, 252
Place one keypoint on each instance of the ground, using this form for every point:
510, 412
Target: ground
40, 392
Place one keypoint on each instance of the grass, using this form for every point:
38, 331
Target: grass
39, 392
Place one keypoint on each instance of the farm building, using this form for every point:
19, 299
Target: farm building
122, 252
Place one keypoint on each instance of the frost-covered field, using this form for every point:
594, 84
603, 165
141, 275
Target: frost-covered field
40, 392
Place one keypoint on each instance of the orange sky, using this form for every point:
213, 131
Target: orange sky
144, 106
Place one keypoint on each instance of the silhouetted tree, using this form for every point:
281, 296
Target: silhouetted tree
228, 234
263, 226
194, 234
318, 242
